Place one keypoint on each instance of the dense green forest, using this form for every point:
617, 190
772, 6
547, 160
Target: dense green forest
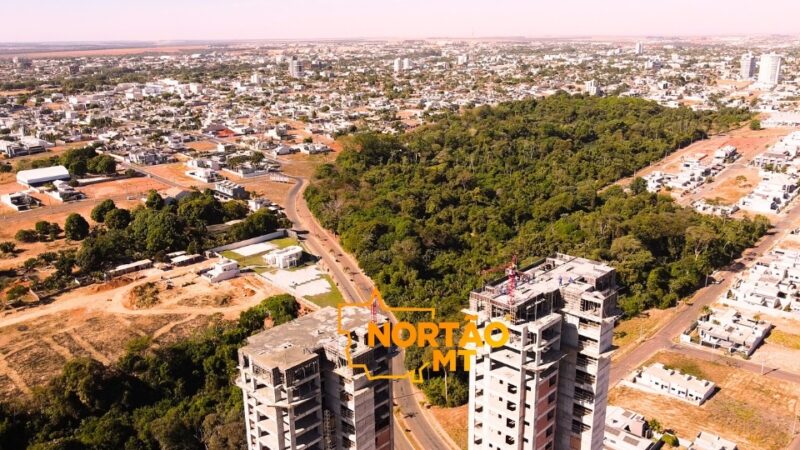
426, 212
173, 397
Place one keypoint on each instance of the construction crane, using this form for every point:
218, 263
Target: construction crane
511, 272
374, 306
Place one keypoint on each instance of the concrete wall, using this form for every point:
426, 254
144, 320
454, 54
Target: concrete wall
256, 240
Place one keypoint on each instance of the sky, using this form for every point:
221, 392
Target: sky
149, 20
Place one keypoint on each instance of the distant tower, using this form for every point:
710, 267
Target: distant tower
639, 48
397, 65
406, 64
591, 87
295, 68
769, 72
747, 66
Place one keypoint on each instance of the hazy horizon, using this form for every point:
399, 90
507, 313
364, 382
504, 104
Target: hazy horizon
208, 20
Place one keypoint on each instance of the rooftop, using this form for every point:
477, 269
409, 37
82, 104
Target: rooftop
292, 343
674, 377
560, 272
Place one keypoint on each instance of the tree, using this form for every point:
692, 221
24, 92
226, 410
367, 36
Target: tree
25, 235
282, 308
234, 210
99, 212
164, 233
259, 223
65, 263
42, 227
201, 208
102, 164
638, 185
154, 200
117, 218
76, 228
78, 168
755, 124
670, 439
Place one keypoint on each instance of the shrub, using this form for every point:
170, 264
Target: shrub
27, 236
16, 292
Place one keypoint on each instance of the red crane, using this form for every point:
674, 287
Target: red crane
510, 271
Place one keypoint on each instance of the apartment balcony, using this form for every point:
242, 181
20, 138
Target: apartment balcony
305, 409
306, 424
585, 379
586, 362
578, 427
583, 396
579, 411
590, 329
588, 347
308, 440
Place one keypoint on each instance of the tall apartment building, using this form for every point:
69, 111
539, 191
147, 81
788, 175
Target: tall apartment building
769, 71
397, 65
638, 48
547, 387
299, 392
747, 66
295, 68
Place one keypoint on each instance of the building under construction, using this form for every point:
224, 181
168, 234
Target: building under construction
299, 392
547, 387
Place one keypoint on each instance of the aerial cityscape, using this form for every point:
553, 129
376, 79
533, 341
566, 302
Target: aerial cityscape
344, 225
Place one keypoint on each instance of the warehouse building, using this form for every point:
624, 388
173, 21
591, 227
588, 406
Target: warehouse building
38, 177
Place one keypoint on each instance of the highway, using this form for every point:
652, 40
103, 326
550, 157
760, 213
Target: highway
425, 433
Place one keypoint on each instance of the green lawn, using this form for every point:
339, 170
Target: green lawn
330, 298
252, 260
284, 242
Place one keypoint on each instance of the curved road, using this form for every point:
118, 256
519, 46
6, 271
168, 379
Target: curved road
355, 286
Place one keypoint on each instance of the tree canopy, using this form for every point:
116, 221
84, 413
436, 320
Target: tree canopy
426, 212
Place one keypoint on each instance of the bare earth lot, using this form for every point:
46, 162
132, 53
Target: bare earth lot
99, 320
753, 411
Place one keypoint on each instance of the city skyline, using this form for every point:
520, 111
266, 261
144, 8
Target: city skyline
313, 19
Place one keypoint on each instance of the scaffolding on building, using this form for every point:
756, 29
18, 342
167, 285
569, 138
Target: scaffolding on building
329, 429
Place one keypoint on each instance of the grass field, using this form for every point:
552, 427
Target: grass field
453, 422
753, 411
784, 339
284, 242
331, 298
632, 330
253, 260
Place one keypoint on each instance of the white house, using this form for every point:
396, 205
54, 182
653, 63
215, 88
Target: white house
659, 379
285, 257
223, 270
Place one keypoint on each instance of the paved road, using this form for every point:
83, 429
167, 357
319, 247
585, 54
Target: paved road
664, 338
685, 315
356, 286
